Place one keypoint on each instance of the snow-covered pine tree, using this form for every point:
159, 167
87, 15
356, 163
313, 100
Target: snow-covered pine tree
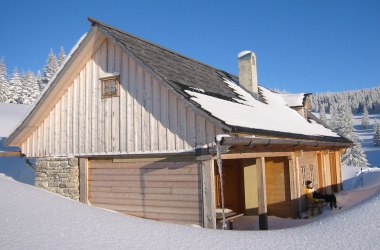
355, 155
15, 87
61, 56
31, 88
376, 135
3, 81
341, 118
50, 68
365, 118
322, 113
39, 80
332, 115
343, 124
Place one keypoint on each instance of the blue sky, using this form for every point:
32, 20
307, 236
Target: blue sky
301, 45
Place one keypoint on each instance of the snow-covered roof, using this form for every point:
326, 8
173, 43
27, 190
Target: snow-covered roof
247, 112
294, 100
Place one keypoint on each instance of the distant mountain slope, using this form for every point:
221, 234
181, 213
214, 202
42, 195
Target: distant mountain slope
357, 99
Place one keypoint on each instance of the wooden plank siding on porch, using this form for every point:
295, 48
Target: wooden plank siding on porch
167, 191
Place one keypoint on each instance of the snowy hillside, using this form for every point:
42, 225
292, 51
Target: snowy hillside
366, 135
10, 116
15, 167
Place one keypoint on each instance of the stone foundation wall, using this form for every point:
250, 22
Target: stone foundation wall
58, 175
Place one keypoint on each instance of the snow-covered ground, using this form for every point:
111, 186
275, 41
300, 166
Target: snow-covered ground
36, 219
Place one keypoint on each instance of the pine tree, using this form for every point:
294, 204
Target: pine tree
332, 120
376, 136
31, 88
39, 81
15, 88
365, 118
50, 69
341, 120
61, 56
3, 81
322, 113
355, 155
344, 125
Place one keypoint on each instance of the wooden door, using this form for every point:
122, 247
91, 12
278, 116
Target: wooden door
278, 187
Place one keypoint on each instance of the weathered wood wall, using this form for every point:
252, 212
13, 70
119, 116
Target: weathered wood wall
278, 187
147, 117
160, 190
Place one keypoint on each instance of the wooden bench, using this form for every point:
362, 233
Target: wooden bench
230, 217
316, 205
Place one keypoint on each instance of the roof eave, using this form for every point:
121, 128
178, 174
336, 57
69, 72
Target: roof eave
344, 142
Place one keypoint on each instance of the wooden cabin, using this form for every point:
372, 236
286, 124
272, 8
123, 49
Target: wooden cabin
130, 126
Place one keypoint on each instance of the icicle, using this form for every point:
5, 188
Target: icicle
220, 170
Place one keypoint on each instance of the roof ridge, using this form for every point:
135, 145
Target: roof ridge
94, 22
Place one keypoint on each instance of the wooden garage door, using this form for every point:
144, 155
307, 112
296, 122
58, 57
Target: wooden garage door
278, 187
167, 191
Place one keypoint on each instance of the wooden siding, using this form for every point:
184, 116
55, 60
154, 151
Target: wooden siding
146, 117
278, 187
166, 191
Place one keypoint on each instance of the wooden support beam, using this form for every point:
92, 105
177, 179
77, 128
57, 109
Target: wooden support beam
255, 155
262, 194
83, 180
338, 164
10, 153
208, 193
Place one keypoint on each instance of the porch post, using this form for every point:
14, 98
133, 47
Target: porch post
262, 194
208, 192
339, 179
83, 180
294, 186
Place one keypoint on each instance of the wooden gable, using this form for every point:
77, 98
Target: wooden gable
146, 117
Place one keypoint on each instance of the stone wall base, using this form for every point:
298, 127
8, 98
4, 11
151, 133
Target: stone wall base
58, 175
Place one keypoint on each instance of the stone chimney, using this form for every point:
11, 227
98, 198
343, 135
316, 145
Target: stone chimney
248, 72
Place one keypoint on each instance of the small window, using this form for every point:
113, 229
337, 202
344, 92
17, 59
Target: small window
110, 86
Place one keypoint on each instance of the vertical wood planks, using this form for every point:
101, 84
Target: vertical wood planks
155, 116
88, 107
123, 101
147, 111
147, 116
131, 94
164, 133
116, 103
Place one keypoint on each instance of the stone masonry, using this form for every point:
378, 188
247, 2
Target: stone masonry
58, 175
